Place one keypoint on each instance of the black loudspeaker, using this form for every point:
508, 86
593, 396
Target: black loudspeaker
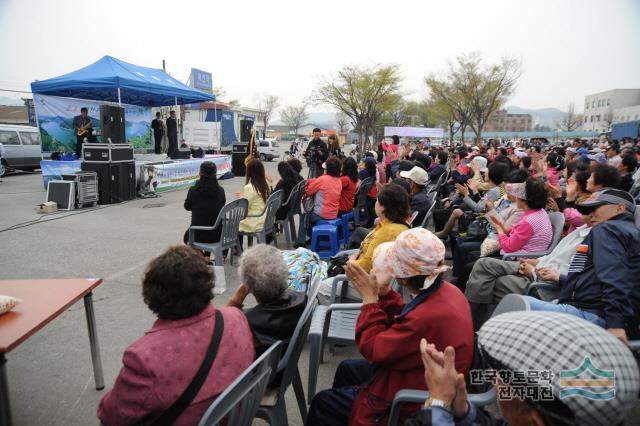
245, 130
112, 124
181, 154
197, 152
116, 181
238, 155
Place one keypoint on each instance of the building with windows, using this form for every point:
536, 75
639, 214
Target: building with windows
599, 108
501, 121
622, 115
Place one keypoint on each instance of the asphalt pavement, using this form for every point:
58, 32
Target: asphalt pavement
50, 374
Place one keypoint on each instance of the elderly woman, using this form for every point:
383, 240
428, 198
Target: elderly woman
264, 274
392, 210
388, 331
497, 172
162, 364
533, 231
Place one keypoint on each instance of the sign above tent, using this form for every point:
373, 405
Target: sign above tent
201, 79
414, 132
112, 80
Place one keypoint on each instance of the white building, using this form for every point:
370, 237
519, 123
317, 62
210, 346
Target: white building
599, 107
621, 115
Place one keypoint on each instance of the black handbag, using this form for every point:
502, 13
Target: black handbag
477, 230
336, 265
169, 416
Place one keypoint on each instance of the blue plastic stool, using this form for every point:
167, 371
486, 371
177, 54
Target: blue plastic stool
338, 223
324, 240
347, 220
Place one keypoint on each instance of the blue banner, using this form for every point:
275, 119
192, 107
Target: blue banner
201, 79
55, 118
228, 128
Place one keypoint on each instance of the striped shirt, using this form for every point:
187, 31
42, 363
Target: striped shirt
533, 233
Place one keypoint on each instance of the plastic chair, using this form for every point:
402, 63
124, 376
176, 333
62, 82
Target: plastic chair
271, 207
288, 224
273, 407
331, 233
333, 325
229, 218
511, 303
240, 401
339, 224
557, 223
360, 211
347, 219
419, 396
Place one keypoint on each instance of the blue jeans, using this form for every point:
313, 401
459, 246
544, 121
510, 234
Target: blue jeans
539, 305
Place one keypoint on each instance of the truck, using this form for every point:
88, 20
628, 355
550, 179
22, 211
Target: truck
629, 129
215, 132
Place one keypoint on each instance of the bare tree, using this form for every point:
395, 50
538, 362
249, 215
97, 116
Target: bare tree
267, 104
294, 117
363, 94
449, 101
343, 122
570, 122
488, 88
399, 115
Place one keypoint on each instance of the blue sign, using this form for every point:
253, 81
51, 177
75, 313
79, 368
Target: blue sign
201, 79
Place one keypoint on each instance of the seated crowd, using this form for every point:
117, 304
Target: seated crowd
556, 224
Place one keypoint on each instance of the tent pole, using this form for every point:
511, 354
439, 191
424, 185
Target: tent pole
119, 98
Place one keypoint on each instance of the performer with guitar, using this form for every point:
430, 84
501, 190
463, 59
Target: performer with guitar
83, 127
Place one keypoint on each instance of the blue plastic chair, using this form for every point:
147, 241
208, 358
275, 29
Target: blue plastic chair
330, 246
347, 219
339, 224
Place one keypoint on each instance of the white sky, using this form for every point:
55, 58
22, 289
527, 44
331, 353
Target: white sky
568, 48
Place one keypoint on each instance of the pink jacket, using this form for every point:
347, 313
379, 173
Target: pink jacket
573, 218
533, 233
159, 366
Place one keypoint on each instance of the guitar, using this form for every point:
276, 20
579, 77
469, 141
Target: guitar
84, 129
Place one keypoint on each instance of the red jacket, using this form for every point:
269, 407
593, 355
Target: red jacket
159, 366
392, 342
347, 196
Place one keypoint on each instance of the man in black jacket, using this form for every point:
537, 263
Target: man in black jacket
603, 282
156, 125
316, 154
172, 133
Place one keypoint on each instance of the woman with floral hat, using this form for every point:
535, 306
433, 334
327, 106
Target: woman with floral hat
388, 331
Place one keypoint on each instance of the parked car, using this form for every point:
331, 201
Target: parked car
22, 150
268, 149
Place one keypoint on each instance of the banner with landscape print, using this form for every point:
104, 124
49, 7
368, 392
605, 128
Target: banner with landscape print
55, 119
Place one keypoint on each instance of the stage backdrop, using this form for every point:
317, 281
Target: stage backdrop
55, 118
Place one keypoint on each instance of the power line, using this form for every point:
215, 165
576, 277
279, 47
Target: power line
15, 91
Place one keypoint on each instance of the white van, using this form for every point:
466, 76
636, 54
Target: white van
22, 150
268, 149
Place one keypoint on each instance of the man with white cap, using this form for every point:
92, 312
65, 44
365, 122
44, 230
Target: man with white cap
602, 284
420, 201
548, 368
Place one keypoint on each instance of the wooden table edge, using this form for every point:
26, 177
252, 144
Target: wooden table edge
96, 283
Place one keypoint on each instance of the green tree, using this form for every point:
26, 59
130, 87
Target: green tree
364, 94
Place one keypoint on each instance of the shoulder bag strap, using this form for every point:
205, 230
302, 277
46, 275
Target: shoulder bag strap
177, 408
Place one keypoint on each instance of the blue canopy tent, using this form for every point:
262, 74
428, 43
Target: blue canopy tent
112, 80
